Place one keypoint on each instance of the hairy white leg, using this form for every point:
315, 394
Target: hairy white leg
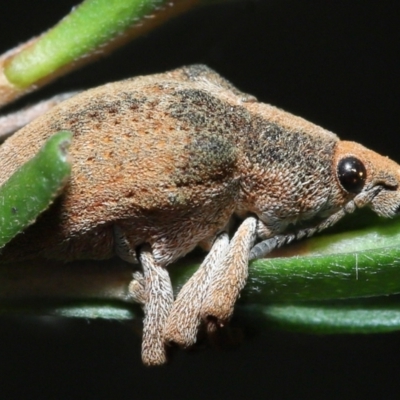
230, 276
158, 299
10, 123
184, 320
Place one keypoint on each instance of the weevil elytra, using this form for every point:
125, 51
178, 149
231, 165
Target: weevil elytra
161, 163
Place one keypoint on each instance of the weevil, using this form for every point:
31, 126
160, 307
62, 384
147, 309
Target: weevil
162, 163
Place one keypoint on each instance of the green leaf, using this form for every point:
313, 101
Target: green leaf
377, 315
344, 264
91, 24
94, 310
357, 259
360, 263
32, 188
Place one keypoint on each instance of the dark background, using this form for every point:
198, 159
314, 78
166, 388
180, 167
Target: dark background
334, 63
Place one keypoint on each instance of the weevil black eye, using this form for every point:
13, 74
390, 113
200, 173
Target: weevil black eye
352, 174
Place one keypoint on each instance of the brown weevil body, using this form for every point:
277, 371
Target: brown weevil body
160, 165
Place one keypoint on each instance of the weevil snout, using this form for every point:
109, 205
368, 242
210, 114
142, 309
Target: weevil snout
372, 179
387, 203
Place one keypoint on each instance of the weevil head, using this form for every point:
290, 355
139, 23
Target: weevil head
367, 178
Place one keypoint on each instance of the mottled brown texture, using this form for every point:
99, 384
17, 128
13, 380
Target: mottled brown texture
133, 161
17, 120
168, 153
161, 163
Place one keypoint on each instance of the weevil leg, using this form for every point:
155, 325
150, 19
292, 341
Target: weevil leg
137, 289
230, 277
158, 299
263, 248
10, 123
184, 320
122, 247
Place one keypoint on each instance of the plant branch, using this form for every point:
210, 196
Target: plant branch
91, 30
279, 290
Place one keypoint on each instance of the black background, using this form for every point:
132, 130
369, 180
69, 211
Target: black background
334, 63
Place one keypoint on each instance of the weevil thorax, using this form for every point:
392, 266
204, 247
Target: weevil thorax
288, 175
296, 171
369, 178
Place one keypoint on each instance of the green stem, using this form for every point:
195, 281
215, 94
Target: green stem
378, 315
